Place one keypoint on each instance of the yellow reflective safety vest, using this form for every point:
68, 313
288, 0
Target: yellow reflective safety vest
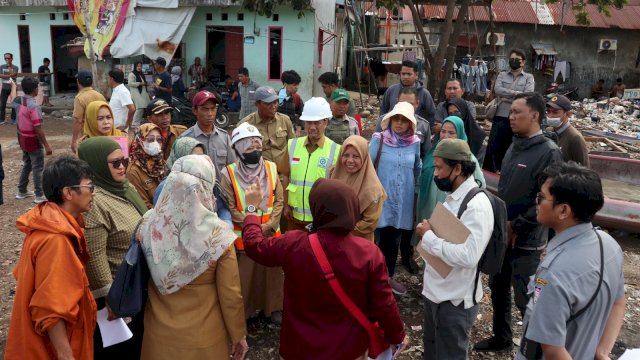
240, 200
305, 170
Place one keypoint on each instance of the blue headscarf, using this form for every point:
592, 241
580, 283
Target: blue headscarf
429, 193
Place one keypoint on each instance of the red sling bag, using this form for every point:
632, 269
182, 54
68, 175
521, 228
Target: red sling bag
377, 344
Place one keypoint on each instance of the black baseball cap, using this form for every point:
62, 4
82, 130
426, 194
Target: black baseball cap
560, 102
84, 74
157, 106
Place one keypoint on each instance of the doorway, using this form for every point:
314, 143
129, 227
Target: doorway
25, 49
225, 51
65, 65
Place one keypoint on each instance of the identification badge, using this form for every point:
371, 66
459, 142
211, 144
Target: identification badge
323, 162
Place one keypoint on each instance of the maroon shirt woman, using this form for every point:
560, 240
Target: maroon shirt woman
316, 325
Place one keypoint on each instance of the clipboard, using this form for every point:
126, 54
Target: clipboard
446, 226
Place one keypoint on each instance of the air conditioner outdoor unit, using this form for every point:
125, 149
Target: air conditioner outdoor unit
495, 39
608, 44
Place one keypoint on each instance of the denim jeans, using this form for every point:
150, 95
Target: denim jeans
32, 162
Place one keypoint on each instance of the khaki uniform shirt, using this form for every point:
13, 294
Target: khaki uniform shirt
174, 132
82, 100
275, 134
144, 184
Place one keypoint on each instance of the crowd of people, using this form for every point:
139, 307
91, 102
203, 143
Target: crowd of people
296, 216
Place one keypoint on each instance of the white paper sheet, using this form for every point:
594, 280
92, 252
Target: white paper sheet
630, 354
113, 332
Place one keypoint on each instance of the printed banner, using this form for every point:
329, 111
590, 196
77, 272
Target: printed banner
105, 21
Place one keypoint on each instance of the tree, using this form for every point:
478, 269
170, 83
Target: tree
265, 7
580, 8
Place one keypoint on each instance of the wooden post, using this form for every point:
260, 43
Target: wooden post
92, 54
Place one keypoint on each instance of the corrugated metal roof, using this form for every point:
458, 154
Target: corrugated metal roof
523, 12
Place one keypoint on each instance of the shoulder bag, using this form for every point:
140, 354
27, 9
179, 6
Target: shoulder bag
128, 293
377, 344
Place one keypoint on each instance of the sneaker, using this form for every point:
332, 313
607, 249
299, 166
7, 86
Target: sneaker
493, 345
21, 196
397, 288
276, 317
39, 199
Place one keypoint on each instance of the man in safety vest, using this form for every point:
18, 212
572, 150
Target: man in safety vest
262, 287
306, 160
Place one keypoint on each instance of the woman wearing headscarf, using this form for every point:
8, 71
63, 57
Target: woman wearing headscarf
262, 287
139, 95
475, 133
396, 152
110, 223
309, 299
355, 168
147, 166
429, 194
195, 308
189, 146
99, 121
177, 84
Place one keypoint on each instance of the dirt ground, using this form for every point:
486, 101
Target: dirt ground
263, 336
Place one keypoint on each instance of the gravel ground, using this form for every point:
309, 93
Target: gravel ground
263, 336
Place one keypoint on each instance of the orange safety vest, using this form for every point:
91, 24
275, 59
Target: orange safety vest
240, 200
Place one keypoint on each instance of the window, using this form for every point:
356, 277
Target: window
25, 48
52, 16
275, 52
209, 16
23, 17
240, 17
276, 17
225, 16
65, 16
320, 46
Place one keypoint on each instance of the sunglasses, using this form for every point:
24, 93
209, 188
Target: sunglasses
116, 163
152, 138
91, 187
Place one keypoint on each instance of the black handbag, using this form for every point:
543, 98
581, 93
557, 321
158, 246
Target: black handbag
129, 290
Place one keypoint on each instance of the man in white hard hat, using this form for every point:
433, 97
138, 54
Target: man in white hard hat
306, 160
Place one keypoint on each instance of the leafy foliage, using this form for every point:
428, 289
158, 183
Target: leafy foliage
265, 7
580, 8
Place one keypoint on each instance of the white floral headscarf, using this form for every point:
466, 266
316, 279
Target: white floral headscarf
182, 234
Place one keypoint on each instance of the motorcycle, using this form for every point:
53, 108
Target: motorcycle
559, 89
183, 113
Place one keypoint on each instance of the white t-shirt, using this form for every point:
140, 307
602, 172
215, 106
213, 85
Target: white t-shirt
120, 98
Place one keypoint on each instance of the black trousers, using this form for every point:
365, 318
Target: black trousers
518, 267
4, 96
406, 246
128, 350
499, 141
446, 330
388, 239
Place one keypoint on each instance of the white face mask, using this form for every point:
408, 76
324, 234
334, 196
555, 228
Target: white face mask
554, 122
151, 148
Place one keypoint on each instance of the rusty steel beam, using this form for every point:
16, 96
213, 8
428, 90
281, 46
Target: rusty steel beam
615, 214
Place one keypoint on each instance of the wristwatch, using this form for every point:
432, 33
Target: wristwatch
251, 209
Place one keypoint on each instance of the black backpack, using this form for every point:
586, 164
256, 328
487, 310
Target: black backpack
491, 260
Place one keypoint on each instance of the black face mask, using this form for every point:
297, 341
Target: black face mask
252, 158
445, 184
514, 64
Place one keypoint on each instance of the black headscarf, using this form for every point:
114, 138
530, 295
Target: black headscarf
139, 76
475, 133
334, 206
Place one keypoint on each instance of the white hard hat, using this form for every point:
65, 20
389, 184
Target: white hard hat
316, 109
243, 131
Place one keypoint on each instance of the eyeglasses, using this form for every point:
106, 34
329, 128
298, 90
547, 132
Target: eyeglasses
116, 163
152, 138
540, 198
91, 187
